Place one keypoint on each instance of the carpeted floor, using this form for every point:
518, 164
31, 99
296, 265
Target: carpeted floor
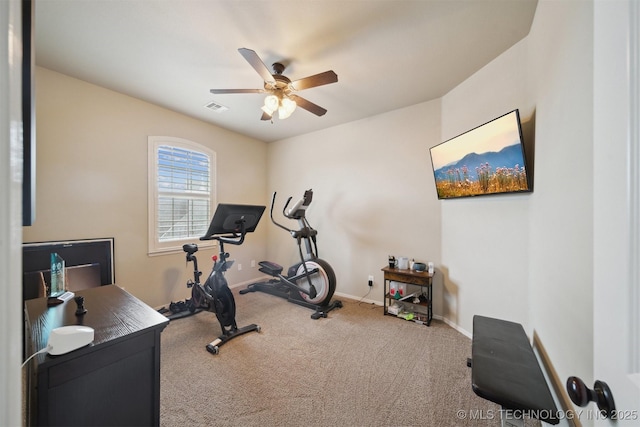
354, 368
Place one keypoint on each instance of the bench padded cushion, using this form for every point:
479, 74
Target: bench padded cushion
506, 371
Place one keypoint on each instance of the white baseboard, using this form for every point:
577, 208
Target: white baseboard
360, 299
455, 326
558, 387
250, 281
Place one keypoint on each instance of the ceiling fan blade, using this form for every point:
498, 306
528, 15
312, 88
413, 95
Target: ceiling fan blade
308, 105
223, 91
254, 60
315, 80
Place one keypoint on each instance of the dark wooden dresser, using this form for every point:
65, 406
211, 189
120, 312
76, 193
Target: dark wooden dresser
115, 381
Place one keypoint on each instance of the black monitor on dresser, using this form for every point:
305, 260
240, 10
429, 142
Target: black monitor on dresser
87, 262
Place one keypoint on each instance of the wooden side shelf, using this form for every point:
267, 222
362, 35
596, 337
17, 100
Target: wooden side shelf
412, 277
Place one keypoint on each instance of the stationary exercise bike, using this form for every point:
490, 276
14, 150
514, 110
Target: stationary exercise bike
230, 224
309, 283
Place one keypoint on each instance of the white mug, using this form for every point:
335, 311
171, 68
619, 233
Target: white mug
403, 263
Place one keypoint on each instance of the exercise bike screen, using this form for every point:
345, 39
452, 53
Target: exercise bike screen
227, 217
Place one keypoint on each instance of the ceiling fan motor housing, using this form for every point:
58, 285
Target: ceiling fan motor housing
282, 84
278, 68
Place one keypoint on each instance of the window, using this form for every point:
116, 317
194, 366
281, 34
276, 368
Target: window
181, 192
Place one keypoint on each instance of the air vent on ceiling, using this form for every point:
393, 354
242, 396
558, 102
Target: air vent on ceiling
216, 107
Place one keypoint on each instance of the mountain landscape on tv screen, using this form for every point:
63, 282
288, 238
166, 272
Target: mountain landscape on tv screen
508, 157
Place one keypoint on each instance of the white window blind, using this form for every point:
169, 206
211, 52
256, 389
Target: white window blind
183, 193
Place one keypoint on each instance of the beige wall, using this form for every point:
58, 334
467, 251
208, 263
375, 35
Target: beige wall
374, 194
92, 180
531, 260
485, 239
562, 227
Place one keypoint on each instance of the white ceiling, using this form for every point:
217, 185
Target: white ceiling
388, 54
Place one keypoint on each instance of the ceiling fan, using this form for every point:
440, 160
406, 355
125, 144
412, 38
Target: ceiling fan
280, 89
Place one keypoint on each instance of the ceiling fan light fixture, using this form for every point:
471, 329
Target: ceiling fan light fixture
283, 105
271, 104
287, 107
267, 111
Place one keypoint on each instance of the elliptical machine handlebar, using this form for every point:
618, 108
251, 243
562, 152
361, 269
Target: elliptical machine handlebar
305, 231
273, 202
298, 210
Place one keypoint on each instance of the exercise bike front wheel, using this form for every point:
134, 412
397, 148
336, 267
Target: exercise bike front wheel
324, 280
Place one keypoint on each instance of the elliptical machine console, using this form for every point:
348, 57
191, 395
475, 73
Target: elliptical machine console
230, 224
311, 282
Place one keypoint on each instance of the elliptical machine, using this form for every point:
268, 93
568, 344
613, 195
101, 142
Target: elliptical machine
230, 224
309, 283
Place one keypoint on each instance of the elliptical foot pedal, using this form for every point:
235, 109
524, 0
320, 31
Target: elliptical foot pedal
247, 290
322, 311
270, 268
318, 314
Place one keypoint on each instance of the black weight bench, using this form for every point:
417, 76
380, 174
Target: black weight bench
505, 370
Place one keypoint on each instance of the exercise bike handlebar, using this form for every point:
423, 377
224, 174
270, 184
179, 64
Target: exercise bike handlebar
232, 239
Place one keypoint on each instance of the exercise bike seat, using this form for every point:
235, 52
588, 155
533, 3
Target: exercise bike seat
270, 268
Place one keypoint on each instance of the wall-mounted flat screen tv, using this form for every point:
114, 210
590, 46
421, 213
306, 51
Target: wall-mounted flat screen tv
489, 159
